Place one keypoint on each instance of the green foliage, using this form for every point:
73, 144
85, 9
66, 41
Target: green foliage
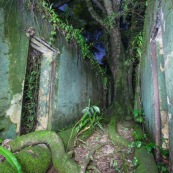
149, 147
135, 161
136, 49
115, 166
137, 136
138, 116
90, 119
162, 168
31, 92
71, 33
137, 44
11, 159
135, 144
1, 140
164, 152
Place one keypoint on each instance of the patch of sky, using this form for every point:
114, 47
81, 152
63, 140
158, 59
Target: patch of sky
99, 49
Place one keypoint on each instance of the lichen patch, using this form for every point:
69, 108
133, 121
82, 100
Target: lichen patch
14, 112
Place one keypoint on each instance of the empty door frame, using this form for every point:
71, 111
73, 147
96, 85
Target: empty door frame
46, 88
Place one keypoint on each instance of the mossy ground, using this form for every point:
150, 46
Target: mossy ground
113, 153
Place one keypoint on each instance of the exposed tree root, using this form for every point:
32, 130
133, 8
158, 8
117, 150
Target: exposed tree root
113, 134
61, 160
89, 156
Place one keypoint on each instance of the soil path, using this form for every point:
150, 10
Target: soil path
110, 158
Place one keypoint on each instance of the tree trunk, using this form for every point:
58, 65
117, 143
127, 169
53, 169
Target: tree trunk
120, 73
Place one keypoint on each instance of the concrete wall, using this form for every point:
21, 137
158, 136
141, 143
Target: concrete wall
13, 55
157, 73
75, 83
66, 80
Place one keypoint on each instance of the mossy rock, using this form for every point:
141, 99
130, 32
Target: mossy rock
36, 159
68, 136
146, 161
138, 133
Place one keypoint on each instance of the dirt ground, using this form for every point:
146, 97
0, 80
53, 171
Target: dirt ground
109, 158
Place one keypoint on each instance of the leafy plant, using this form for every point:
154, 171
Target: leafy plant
135, 161
71, 33
137, 136
138, 116
115, 165
90, 119
1, 140
162, 168
31, 92
164, 152
135, 49
11, 159
136, 144
149, 147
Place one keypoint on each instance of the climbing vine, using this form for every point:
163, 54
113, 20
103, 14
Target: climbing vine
135, 49
70, 33
31, 87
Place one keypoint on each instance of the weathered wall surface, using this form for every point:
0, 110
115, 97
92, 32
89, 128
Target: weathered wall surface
75, 83
13, 55
66, 80
157, 73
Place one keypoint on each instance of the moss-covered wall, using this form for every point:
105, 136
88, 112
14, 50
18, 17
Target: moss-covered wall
158, 31
66, 80
13, 55
75, 83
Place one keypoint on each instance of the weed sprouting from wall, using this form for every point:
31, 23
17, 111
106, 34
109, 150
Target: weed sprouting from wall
31, 88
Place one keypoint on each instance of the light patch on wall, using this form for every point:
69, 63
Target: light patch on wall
49, 56
42, 123
168, 59
14, 112
165, 131
168, 101
159, 40
162, 69
169, 116
162, 19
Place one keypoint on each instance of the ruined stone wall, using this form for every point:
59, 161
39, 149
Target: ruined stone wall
157, 73
13, 55
66, 80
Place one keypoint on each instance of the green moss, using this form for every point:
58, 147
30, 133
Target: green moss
146, 161
18, 48
138, 133
60, 158
68, 137
113, 134
35, 159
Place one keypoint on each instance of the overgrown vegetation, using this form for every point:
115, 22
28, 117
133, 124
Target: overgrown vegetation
141, 140
10, 157
31, 87
89, 121
72, 34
